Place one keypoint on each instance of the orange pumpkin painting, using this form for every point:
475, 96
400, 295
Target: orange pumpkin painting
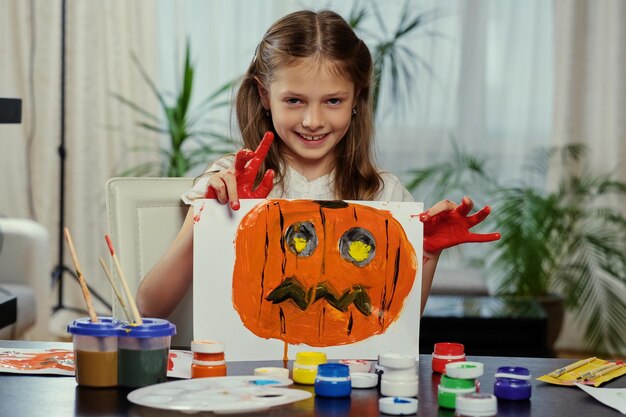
322, 273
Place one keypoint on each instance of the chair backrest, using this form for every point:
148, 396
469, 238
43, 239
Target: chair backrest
144, 216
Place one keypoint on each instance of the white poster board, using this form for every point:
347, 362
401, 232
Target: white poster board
219, 313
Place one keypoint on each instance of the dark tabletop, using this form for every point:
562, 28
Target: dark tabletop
51, 396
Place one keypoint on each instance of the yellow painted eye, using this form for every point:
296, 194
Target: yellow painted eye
299, 244
357, 246
301, 238
359, 251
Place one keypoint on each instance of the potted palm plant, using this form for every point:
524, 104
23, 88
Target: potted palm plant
396, 65
569, 240
192, 140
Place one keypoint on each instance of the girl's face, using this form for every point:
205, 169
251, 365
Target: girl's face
311, 110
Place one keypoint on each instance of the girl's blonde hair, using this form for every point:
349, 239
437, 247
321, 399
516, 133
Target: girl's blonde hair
324, 36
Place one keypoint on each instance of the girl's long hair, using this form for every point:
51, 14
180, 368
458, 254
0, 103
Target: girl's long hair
326, 37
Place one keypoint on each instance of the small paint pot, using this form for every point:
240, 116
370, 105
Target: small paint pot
273, 372
449, 388
464, 370
357, 365
476, 405
512, 383
333, 380
95, 351
143, 352
363, 379
305, 366
208, 359
444, 353
397, 406
399, 378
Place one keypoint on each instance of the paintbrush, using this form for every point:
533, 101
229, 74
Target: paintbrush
558, 372
83, 285
117, 292
603, 370
129, 296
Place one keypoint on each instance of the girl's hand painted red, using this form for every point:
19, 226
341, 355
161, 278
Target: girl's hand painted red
245, 169
447, 225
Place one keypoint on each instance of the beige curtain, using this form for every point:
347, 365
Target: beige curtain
590, 79
590, 95
98, 130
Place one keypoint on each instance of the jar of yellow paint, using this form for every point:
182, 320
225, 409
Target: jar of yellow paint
305, 367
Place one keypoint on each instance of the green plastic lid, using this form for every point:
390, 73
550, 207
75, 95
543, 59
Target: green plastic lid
456, 383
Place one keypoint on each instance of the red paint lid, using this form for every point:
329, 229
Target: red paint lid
449, 349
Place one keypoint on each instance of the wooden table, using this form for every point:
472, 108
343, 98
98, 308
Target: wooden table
51, 396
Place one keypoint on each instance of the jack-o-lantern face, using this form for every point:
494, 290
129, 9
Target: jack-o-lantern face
320, 273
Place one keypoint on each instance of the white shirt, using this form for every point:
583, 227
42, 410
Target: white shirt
297, 186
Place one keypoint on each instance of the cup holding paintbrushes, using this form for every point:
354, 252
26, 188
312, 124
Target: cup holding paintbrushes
143, 344
94, 338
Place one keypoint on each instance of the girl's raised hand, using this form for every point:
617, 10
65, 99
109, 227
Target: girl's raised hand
238, 181
447, 224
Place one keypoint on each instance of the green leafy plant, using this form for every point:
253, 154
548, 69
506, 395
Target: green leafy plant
570, 240
396, 65
192, 140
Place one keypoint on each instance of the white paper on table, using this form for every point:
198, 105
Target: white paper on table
215, 318
60, 361
613, 397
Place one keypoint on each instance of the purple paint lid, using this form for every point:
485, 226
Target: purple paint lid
104, 327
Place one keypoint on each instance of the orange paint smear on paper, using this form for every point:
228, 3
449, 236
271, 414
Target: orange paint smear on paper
59, 359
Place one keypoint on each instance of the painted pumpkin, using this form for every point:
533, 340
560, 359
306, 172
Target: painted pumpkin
320, 273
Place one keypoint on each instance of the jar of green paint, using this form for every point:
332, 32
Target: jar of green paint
143, 352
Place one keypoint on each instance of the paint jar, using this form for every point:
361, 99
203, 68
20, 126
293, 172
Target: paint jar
272, 372
143, 352
333, 380
95, 351
397, 406
464, 370
449, 388
399, 378
445, 353
208, 359
363, 379
512, 383
476, 405
305, 366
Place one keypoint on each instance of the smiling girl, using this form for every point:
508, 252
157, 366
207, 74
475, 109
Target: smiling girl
305, 105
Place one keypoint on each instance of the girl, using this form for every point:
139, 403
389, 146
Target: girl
308, 87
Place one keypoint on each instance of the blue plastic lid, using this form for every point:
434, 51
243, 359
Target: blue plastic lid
105, 326
333, 370
149, 328
513, 372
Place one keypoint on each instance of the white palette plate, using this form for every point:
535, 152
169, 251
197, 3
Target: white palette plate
221, 395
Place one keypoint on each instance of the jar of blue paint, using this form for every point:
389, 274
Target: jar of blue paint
512, 383
333, 380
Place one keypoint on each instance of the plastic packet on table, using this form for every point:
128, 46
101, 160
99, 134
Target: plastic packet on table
591, 371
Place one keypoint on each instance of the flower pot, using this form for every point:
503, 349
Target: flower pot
553, 306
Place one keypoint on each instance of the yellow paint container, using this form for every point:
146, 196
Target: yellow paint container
305, 367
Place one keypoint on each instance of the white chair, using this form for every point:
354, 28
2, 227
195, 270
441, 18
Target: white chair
144, 216
24, 261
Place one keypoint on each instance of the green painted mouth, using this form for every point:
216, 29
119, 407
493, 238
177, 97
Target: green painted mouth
292, 289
